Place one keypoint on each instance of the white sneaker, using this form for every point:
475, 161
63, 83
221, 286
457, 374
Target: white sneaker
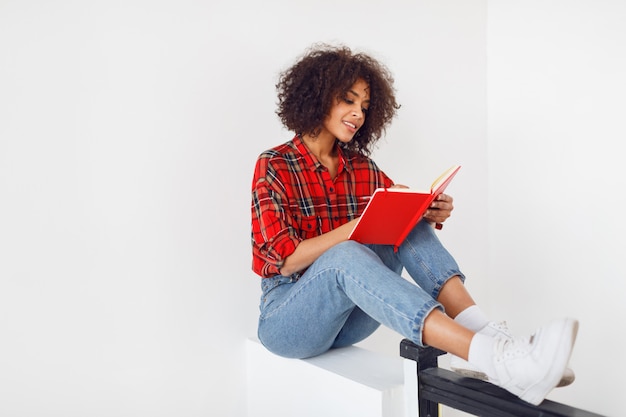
499, 331
531, 367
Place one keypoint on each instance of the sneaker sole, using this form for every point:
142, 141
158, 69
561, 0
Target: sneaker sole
466, 371
560, 357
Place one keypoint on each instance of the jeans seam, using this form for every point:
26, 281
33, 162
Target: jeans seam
436, 282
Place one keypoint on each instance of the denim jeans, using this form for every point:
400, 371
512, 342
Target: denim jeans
351, 289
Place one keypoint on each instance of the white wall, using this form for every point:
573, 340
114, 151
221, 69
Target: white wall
128, 134
128, 131
556, 180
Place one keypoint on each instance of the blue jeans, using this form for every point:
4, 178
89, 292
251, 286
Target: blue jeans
350, 290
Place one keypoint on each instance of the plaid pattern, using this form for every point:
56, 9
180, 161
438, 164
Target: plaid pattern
294, 198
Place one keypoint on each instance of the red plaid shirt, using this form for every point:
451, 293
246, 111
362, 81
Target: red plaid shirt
294, 198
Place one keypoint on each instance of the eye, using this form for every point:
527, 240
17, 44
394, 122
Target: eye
347, 100
365, 110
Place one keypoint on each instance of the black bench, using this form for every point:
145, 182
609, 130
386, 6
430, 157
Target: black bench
440, 386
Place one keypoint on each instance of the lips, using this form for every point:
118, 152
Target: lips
351, 126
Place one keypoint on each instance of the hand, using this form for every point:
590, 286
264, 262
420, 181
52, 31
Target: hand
440, 209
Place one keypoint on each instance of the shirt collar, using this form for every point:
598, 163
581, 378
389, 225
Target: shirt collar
311, 161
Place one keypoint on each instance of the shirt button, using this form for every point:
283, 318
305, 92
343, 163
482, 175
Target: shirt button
331, 189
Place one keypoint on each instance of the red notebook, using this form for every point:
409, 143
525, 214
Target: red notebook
393, 212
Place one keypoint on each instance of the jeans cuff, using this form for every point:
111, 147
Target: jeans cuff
418, 327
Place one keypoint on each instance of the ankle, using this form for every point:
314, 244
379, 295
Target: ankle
472, 318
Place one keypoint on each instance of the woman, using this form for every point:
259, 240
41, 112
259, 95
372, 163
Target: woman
323, 291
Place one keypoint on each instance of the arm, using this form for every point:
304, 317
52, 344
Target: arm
309, 250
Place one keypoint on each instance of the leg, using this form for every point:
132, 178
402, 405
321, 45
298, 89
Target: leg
431, 266
455, 297
357, 328
441, 332
304, 318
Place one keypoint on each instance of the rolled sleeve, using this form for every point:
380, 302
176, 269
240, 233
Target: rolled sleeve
274, 236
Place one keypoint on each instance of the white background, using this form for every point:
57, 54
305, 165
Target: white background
128, 135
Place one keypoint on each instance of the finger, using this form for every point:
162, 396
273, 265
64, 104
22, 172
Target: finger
436, 205
441, 205
445, 198
436, 215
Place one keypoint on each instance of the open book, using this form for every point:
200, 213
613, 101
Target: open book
393, 212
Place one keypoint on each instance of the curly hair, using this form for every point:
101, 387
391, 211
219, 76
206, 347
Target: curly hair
307, 91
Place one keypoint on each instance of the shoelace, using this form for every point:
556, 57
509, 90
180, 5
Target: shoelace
501, 327
506, 348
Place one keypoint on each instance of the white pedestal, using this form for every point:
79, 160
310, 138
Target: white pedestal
343, 382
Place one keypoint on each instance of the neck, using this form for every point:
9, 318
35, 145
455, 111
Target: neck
321, 147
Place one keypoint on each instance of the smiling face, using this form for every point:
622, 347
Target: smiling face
348, 113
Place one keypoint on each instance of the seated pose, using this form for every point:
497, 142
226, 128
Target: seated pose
322, 291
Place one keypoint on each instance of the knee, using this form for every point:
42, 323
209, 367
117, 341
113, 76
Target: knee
350, 248
349, 245
346, 251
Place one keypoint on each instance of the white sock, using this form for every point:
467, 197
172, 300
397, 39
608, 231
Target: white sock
481, 353
472, 318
